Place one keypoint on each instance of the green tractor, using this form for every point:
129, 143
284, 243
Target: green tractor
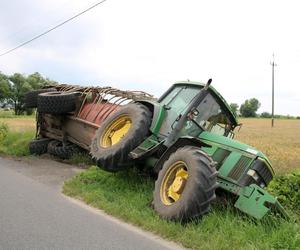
186, 137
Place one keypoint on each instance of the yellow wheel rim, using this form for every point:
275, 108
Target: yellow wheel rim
174, 183
115, 131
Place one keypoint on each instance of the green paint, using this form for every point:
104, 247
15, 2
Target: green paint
229, 143
257, 202
160, 114
210, 150
228, 185
229, 163
150, 142
231, 155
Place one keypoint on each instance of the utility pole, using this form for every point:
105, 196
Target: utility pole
273, 66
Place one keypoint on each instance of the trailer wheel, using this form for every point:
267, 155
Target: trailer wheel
186, 185
39, 146
31, 97
62, 151
56, 102
118, 135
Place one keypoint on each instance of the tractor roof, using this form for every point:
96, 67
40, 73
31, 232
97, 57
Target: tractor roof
217, 94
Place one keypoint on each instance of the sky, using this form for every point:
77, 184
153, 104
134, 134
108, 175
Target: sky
149, 45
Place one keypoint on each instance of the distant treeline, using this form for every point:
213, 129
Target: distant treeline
13, 89
249, 109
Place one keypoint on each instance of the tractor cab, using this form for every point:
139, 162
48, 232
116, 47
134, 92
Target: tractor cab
213, 114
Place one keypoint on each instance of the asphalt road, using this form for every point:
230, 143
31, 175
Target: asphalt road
35, 215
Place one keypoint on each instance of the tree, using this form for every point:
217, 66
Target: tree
18, 87
265, 115
249, 107
4, 87
234, 107
36, 81
14, 87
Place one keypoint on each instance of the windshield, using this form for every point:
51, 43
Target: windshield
179, 98
211, 117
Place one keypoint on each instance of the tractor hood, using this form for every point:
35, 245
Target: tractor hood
211, 138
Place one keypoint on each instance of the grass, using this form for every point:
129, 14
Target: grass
128, 196
21, 130
281, 144
16, 143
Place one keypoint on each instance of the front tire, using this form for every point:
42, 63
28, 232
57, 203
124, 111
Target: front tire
186, 185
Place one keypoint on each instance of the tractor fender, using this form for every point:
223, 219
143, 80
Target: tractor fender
181, 142
158, 114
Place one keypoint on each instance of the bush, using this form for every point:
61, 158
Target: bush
265, 115
286, 188
29, 111
3, 131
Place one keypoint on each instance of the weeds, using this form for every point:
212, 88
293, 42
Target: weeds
287, 189
14, 143
3, 131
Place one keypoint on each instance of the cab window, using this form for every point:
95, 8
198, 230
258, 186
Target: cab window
211, 117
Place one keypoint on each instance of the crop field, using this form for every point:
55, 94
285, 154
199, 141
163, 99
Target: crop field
19, 124
281, 144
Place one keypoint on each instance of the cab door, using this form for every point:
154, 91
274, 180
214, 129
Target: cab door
175, 104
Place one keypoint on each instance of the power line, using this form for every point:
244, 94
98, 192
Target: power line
51, 29
32, 20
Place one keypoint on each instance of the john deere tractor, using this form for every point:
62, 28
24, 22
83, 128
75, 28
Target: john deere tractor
186, 137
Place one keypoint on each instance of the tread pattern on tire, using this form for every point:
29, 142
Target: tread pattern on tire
66, 151
39, 146
56, 102
32, 96
200, 187
116, 157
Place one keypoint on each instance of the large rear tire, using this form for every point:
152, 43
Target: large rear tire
57, 102
186, 185
118, 135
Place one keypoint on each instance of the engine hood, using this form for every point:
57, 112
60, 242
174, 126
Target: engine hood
211, 138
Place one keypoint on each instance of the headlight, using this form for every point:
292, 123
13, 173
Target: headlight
253, 174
